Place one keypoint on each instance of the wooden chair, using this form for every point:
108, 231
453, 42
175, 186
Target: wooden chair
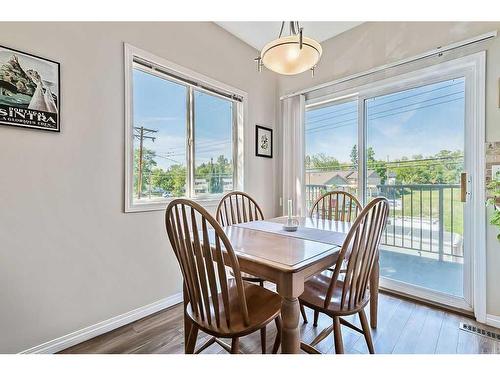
334, 205
219, 306
238, 207
343, 294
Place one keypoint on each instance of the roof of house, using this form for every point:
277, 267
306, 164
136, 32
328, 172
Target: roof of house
327, 177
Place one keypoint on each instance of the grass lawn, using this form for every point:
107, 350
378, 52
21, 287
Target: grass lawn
452, 206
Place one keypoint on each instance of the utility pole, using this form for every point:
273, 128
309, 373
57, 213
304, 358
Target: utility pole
142, 133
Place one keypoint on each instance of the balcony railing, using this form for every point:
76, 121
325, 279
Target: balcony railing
425, 218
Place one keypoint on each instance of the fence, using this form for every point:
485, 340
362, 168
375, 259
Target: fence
423, 217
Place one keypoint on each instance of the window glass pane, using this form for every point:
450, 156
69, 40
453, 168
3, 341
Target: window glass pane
416, 145
213, 147
159, 138
331, 149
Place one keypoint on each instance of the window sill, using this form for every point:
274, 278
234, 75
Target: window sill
161, 205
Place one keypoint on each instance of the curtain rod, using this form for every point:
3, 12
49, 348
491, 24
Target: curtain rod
186, 81
436, 51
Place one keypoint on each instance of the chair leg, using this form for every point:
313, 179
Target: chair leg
191, 342
263, 339
366, 331
337, 336
303, 312
235, 345
316, 317
277, 341
261, 283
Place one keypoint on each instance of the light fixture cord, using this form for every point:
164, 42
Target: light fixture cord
293, 30
281, 30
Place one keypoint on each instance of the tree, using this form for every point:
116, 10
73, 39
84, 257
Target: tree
442, 168
148, 163
172, 180
370, 155
354, 156
324, 161
378, 166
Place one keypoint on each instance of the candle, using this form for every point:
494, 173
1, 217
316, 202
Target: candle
289, 209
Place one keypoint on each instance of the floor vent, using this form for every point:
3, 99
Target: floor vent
480, 331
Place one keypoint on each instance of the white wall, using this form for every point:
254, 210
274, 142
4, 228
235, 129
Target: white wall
374, 44
69, 256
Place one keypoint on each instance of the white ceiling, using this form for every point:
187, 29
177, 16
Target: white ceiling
258, 34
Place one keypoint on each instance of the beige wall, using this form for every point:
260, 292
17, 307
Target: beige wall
377, 43
69, 256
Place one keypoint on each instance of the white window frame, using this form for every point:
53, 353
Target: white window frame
473, 68
198, 82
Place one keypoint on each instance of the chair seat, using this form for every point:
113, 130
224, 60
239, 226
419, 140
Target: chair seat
263, 306
314, 296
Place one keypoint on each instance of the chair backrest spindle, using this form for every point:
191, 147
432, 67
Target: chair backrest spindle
336, 205
237, 207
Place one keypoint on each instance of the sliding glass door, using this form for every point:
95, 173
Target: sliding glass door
407, 138
415, 158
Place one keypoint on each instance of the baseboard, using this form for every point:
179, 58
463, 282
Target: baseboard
84, 334
493, 320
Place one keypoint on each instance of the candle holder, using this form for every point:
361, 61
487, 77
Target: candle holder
291, 225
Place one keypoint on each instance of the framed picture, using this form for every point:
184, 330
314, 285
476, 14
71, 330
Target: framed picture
29, 91
263, 141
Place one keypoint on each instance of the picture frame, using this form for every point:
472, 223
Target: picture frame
30, 88
263, 141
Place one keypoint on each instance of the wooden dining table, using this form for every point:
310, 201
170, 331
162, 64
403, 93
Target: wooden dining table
288, 259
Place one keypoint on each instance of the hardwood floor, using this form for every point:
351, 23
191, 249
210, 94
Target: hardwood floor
404, 327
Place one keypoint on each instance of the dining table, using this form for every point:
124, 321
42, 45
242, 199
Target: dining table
288, 259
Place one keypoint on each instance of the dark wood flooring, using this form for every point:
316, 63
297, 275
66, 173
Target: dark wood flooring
404, 327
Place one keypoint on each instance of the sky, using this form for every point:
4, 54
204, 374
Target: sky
423, 120
160, 105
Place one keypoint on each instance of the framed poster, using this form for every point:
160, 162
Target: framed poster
29, 91
263, 141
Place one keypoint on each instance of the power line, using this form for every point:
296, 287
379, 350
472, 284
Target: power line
203, 143
453, 160
329, 126
388, 110
427, 106
312, 117
412, 104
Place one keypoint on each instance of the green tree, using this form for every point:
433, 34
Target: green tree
172, 180
442, 168
148, 163
324, 161
354, 156
379, 166
214, 173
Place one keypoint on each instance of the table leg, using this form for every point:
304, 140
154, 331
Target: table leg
188, 325
290, 333
374, 279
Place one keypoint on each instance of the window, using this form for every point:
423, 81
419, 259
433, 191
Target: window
331, 135
213, 145
183, 134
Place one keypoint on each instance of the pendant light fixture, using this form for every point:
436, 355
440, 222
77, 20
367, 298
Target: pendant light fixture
292, 54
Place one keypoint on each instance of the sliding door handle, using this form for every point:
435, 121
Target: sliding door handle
463, 186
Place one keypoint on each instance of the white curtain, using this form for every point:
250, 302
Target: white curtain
293, 154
